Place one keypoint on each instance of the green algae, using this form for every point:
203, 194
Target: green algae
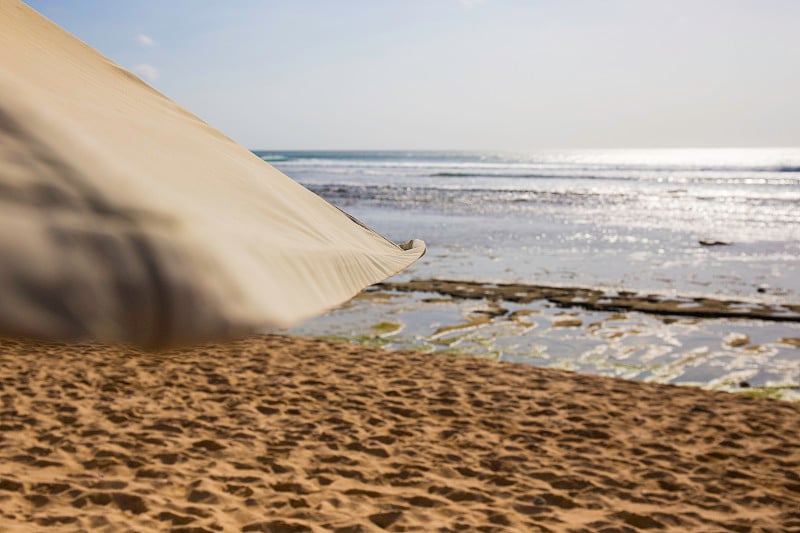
772, 392
447, 341
386, 328
364, 340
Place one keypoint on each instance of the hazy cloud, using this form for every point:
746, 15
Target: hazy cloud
469, 4
145, 40
148, 72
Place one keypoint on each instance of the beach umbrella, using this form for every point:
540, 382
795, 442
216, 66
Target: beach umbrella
123, 217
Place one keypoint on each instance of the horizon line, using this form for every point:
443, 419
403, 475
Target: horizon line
511, 150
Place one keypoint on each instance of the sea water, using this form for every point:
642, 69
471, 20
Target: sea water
630, 219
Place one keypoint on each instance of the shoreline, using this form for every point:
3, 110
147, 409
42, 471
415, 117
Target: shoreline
544, 326
279, 433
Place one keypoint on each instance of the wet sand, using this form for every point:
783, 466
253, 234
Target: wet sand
290, 434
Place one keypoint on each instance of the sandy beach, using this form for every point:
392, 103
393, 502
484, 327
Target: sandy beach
288, 434
559, 361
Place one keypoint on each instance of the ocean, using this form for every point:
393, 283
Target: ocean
702, 225
628, 219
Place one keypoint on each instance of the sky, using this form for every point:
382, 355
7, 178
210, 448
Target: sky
463, 74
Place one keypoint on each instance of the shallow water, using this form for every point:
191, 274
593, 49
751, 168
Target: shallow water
739, 355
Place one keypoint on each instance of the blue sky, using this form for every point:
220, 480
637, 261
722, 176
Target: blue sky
463, 74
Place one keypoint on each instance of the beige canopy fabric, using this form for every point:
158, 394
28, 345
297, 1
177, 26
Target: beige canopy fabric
123, 217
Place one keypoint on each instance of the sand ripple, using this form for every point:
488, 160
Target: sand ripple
283, 434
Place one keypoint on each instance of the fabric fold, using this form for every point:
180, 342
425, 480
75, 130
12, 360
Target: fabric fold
126, 218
